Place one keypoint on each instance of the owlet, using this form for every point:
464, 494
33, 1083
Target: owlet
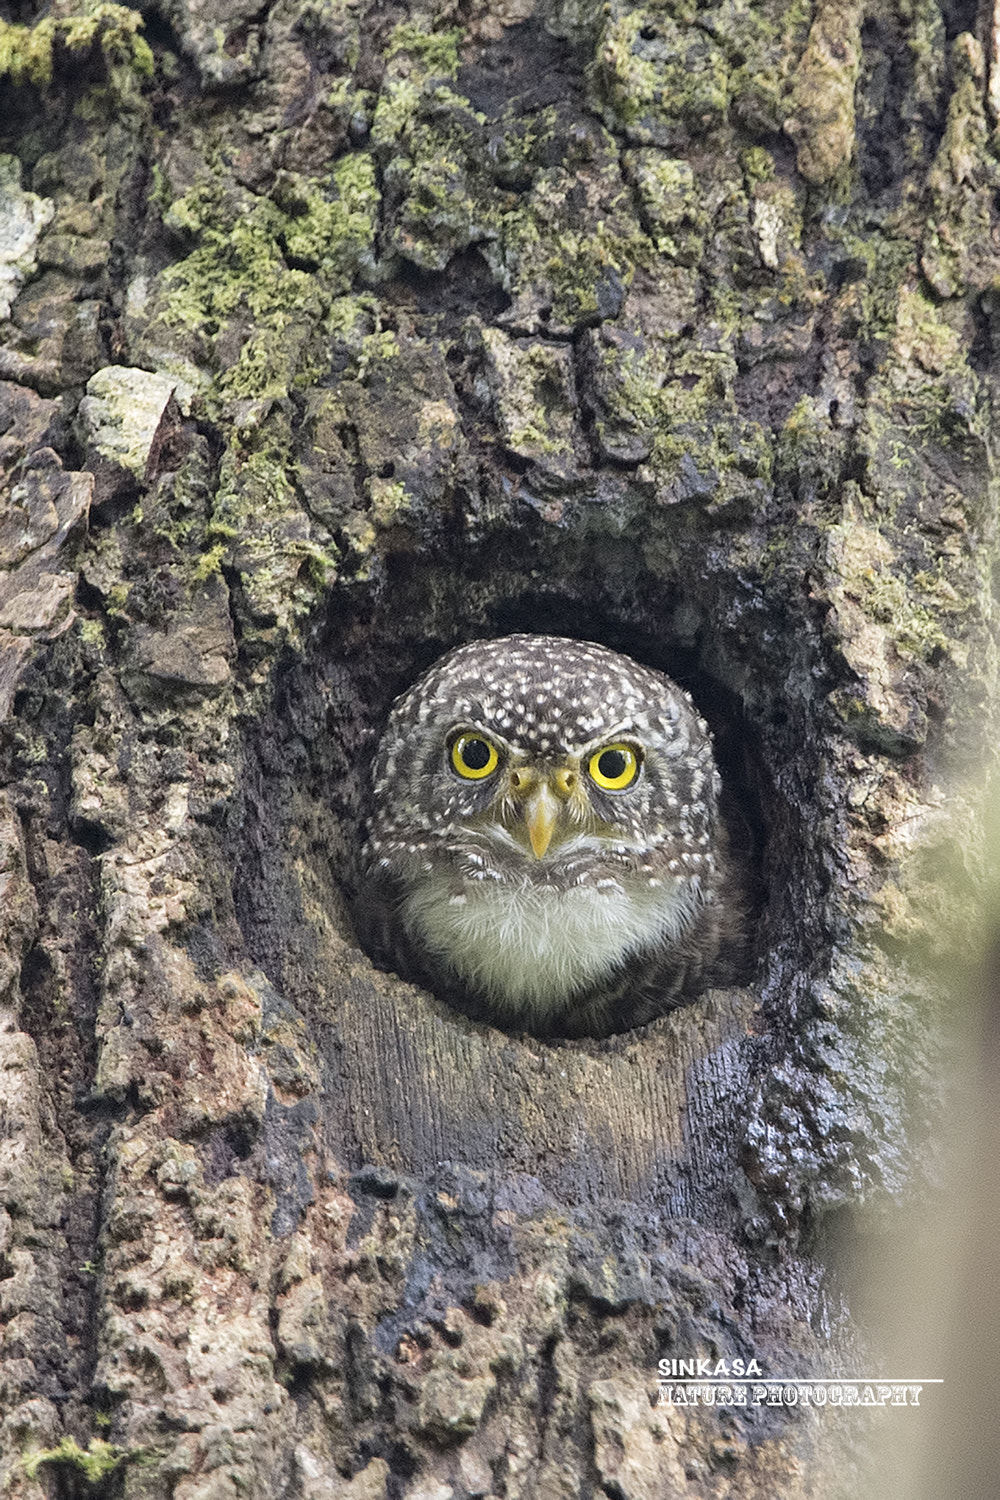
545, 851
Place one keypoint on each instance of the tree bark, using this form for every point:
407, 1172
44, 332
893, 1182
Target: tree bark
338, 332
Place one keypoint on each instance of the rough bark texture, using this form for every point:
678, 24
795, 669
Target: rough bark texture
337, 332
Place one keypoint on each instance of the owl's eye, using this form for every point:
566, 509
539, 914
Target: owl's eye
473, 757
614, 768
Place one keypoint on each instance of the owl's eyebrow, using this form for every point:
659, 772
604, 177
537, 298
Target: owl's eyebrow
469, 725
623, 729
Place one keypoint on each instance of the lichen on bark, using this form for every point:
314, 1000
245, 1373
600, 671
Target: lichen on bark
348, 332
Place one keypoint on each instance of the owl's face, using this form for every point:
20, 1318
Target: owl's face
548, 808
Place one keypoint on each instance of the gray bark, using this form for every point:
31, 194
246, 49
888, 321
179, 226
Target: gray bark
342, 332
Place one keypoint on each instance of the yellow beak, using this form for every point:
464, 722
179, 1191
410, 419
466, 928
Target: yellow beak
541, 813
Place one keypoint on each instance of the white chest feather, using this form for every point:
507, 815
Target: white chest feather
526, 945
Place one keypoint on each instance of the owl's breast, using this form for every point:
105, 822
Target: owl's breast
528, 941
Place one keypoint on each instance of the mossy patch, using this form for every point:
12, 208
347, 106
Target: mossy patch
440, 197
678, 401
28, 53
277, 267
438, 189
331, 221
547, 209
533, 399
924, 334
927, 455
763, 43
874, 577
809, 453
259, 525
567, 249
671, 204
878, 262
248, 245
958, 251
822, 101
657, 79
95, 1462
433, 50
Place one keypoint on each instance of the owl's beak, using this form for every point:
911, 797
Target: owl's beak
541, 813
543, 802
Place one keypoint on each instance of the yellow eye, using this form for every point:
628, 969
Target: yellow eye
473, 757
614, 768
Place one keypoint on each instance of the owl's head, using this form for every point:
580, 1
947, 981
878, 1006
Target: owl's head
538, 748
545, 842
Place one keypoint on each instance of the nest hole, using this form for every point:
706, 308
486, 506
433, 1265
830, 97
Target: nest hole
306, 796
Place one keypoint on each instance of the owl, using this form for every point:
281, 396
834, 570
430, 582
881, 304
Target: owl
545, 851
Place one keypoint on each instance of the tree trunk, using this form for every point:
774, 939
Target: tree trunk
342, 331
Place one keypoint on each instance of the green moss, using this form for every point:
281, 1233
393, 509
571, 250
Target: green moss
117, 606
886, 599
435, 51
350, 319
209, 563
957, 253
630, 82
237, 264
253, 483
449, 183
334, 232
345, 99
681, 400
432, 144
906, 603
913, 437
937, 587
246, 243
96, 1462
764, 43
666, 395
567, 257
396, 108
926, 39
27, 52
882, 261
278, 266
376, 347
336, 25
822, 102
568, 264
418, 60
388, 499
92, 633
531, 437
809, 453
531, 386
927, 332
671, 202
656, 76
758, 166
259, 526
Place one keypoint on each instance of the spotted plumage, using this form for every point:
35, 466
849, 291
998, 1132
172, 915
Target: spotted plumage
546, 850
